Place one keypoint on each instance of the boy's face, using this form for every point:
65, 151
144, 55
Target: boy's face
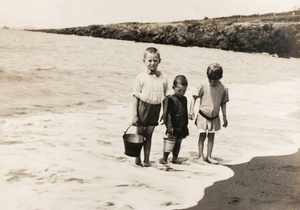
214, 83
151, 61
179, 90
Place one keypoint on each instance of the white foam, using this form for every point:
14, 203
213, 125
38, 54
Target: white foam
68, 152
76, 160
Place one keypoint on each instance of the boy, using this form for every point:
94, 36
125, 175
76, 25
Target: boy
149, 90
213, 95
175, 112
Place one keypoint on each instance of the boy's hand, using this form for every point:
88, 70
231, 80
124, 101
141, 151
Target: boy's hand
162, 121
225, 122
170, 130
135, 120
191, 116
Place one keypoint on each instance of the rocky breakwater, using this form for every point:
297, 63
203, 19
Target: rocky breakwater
270, 33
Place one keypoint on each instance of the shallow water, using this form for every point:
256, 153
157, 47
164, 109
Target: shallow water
66, 101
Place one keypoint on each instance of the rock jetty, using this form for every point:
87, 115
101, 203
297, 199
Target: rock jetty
273, 33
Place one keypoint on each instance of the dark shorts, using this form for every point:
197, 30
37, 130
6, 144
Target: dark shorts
148, 114
181, 132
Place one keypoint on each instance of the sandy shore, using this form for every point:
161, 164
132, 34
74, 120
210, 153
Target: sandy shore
263, 183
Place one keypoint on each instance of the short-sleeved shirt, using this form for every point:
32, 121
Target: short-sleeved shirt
211, 99
150, 88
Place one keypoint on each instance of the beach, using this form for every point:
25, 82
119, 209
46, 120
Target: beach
67, 100
263, 183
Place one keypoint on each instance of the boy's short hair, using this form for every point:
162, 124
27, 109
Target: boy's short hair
152, 50
214, 71
180, 79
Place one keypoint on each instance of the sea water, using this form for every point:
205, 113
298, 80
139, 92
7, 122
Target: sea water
67, 100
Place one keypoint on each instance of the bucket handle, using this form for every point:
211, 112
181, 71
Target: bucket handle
127, 129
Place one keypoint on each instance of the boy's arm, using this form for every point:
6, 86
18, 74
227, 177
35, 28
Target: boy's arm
164, 114
223, 108
192, 105
168, 120
166, 117
135, 117
169, 124
165, 102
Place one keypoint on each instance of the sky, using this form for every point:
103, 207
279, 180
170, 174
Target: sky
71, 13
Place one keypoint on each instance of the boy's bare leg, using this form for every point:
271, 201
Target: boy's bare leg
147, 145
138, 161
200, 159
176, 151
210, 145
140, 130
165, 158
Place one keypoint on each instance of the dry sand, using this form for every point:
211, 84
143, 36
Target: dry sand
263, 183
269, 183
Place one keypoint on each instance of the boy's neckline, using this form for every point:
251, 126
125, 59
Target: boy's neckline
156, 72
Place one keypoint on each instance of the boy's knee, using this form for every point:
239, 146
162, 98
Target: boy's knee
202, 135
211, 135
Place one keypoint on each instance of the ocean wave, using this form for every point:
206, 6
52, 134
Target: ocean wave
44, 69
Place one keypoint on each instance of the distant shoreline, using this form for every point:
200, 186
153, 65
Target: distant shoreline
277, 34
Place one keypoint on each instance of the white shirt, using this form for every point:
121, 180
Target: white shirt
150, 88
211, 98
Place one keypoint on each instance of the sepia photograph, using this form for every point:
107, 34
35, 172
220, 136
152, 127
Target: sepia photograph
149, 105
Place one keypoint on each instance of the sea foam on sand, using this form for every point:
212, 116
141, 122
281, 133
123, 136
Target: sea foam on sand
76, 160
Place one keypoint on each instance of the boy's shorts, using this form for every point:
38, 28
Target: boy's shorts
206, 126
148, 113
200, 130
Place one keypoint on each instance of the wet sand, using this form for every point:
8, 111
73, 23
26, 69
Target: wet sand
263, 183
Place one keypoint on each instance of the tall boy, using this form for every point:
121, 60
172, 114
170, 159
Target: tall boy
149, 91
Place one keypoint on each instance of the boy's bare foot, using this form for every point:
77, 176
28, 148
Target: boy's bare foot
164, 162
210, 160
138, 161
200, 161
176, 161
147, 164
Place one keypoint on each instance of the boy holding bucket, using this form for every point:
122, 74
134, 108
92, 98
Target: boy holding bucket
176, 119
149, 91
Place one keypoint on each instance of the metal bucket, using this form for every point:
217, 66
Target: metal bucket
133, 144
169, 142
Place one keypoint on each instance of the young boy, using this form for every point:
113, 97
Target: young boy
176, 117
213, 95
149, 91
